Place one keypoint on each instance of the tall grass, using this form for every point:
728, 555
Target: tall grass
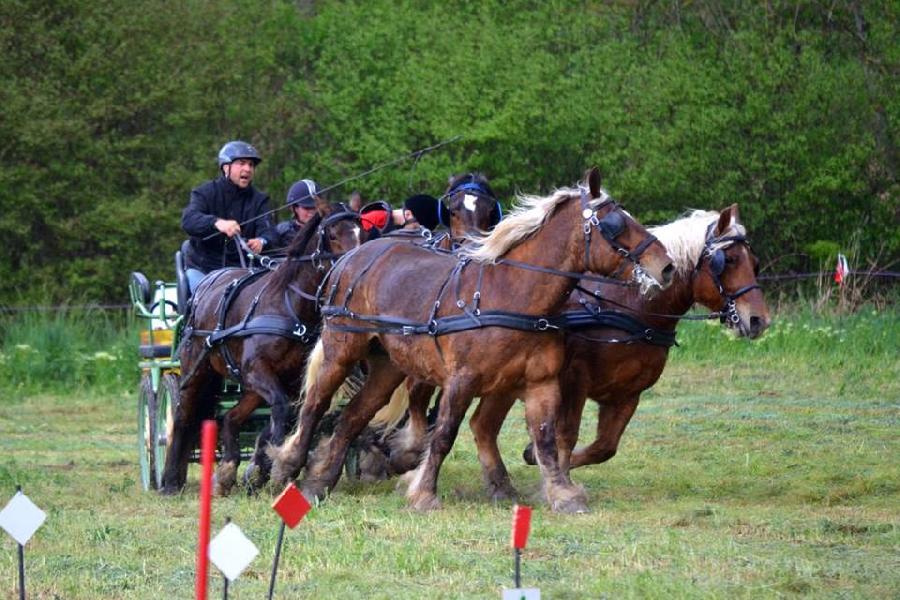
42, 351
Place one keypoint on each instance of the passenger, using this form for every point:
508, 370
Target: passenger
418, 211
228, 205
355, 200
302, 199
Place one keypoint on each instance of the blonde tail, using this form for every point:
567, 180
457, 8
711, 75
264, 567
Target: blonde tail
313, 366
393, 412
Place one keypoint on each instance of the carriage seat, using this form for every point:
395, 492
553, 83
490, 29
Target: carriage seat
159, 307
182, 283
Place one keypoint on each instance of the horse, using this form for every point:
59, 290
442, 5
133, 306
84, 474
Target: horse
502, 340
471, 208
255, 327
717, 268
619, 341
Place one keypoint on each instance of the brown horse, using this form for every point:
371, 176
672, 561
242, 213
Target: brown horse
714, 267
501, 339
255, 327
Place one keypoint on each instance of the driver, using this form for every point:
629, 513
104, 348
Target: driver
228, 205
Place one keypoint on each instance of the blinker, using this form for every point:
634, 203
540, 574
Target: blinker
717, 262
613, 224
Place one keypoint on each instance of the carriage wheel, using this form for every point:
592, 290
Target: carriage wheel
146, 418
166, 403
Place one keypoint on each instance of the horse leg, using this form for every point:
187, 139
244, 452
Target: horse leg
289, 459
323, 474
485, 425
407, 445
572, 399
611, 423
542, 402
263, 381
196, 403
422, 492
226, 472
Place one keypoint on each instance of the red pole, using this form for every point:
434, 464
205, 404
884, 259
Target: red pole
207, 457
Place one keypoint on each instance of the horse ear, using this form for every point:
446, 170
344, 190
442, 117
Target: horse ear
322, 206
726, 218
592, 178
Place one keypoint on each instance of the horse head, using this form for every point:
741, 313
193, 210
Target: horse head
634, 247
471, 207
335, 228
726, 276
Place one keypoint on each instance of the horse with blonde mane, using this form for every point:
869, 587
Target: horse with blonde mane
483, 329
617, 345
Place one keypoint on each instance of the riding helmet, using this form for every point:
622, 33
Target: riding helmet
236, 149
303, 193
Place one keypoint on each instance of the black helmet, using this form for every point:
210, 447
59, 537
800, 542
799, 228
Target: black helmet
236, 149
425, 209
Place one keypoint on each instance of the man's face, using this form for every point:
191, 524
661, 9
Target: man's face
240, 172
303, 215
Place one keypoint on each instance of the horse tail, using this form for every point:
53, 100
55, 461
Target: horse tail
393, 412
313, 366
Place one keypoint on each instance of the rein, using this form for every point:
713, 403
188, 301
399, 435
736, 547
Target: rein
288, 325
475, 318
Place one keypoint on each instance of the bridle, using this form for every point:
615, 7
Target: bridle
475, 189
323, 251
717, 267
610, 227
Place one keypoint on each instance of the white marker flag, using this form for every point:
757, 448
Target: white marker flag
20, 518
231, 551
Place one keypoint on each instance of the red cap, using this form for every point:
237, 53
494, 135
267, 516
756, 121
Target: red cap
374, 218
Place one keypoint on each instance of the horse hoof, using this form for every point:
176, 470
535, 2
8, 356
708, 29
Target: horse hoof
502, 493
425, 503
572, 506
314, 490
528, 455
255, 478
169, 490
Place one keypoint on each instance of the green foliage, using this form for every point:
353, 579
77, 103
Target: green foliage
66, 351
113, 111
823, 252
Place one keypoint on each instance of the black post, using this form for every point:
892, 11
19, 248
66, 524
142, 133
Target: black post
21, 572
518, 569
275, 562
21, 562
225, 587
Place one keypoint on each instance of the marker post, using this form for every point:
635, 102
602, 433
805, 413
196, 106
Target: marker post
207, 457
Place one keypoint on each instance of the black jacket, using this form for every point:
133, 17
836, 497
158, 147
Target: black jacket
286, 232
221, 199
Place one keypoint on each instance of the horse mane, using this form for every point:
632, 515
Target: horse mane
685, 238
528, 215
287, 271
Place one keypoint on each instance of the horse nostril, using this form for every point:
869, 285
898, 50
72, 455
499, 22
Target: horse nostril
667, 273
757, 325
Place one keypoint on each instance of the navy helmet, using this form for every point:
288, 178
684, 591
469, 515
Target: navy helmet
236, 149
303, 193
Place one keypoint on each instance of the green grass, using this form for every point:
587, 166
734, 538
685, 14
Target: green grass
764, 469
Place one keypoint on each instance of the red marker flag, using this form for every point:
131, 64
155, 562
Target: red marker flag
521, 526
291, 505
841, 269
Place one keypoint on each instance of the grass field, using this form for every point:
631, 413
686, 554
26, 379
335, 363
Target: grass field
752, 470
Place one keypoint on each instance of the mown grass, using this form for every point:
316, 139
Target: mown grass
764, 469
